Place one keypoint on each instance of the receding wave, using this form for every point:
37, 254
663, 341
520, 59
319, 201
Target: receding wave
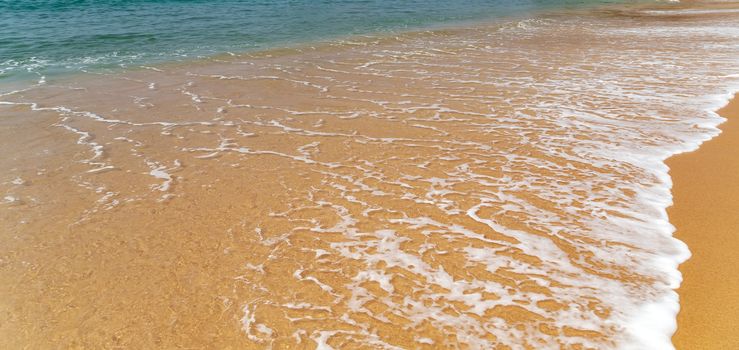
497, 186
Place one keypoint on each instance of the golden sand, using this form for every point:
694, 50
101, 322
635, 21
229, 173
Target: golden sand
462, 188
706, 214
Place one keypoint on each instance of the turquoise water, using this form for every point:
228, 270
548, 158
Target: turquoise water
41, 38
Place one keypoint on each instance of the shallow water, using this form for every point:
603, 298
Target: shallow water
492, 186
43, 38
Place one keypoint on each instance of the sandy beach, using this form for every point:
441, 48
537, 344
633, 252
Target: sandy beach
500, 185
706, 215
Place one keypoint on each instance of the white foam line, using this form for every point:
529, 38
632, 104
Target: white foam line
652, 326
690, 12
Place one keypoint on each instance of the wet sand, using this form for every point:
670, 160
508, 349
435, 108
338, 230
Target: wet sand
492, 187
706, 214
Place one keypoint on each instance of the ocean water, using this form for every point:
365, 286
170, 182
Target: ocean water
45, 38
485, 185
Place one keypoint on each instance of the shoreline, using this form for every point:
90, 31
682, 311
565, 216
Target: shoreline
278, 48
706, 203
228, 178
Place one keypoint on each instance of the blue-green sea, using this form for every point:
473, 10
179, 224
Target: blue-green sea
43, 38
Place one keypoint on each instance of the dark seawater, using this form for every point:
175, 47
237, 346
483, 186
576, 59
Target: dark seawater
42, 38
